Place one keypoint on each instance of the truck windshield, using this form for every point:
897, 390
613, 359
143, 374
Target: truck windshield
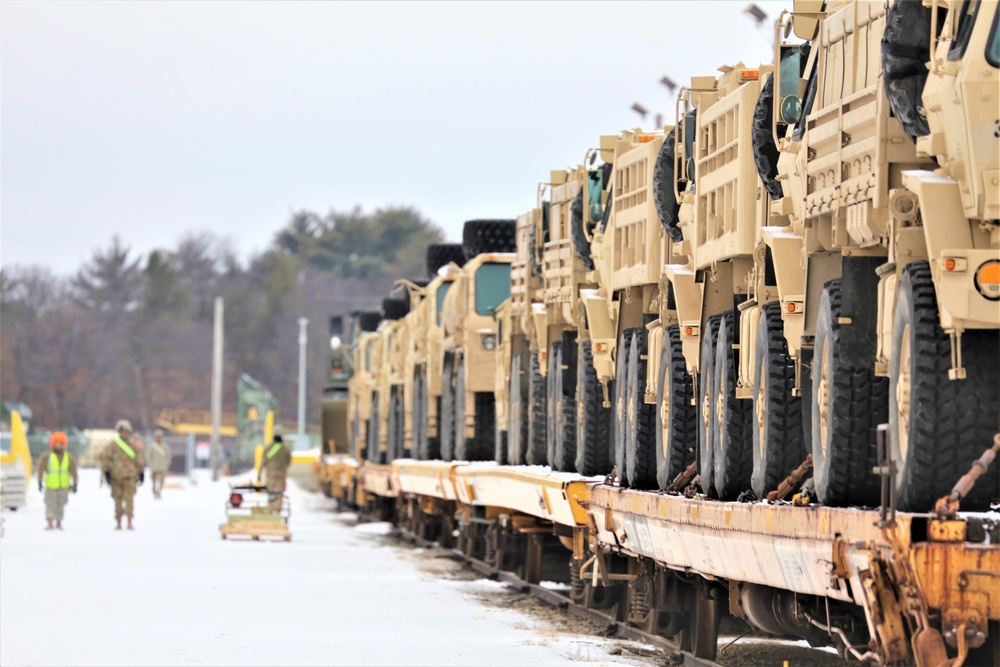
993, 47
492, 286
441, 292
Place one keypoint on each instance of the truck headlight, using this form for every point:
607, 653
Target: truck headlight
490, 342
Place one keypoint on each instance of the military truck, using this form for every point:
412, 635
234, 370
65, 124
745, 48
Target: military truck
468, 347
364, 351
334, 404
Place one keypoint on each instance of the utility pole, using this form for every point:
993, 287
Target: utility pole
216, 447
300, 438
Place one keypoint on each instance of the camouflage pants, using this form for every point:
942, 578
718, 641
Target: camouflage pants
276, 487
158, 478
122, 492
55, 501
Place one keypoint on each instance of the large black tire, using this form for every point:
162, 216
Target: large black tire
463, 447
619, 405
394, 309
433, 441
706, 404
733, 441
905, 52
481, 236
553, 405
535, 253
663, 189
372, 452
676, 418
592, 418
640, 444
485, 433
577, 233
778, 439
537, 414
419, 445
765, 152
937, 426
446, 417
562, 415
848, 403
500, 438
442, 254
517, 427
368, 321
396, 425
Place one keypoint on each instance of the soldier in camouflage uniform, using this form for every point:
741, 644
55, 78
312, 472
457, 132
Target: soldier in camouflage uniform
158, 458
274, 467
123, 466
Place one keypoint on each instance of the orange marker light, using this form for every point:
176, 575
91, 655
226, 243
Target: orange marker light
791, 307
645, 139
688, 331
949, 264
750, 75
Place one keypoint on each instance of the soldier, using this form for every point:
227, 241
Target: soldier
274, 466
57, 476
158, 458
123, 468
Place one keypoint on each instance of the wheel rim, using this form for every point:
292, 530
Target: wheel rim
761, 407
823, 397
903, 393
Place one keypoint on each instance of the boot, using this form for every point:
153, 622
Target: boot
58, 525
130, 527
118, 525
49, 527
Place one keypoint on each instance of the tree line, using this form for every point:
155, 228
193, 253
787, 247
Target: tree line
131, 334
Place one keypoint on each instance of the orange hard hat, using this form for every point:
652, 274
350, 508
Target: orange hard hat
58, 438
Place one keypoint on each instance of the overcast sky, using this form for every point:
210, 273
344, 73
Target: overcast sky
153, 119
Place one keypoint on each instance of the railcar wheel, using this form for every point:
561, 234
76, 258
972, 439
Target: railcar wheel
778, 442
537, 414
592, 418
848, 403
937, 426
706, 404
640, 445
676, 418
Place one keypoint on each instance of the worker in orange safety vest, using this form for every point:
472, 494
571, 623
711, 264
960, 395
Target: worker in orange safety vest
56, 478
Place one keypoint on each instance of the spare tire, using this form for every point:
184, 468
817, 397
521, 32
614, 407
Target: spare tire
663, 190
536, 266
368, 320
394, 309
441, 254
905, 53
481, 236
765, 152
577, 233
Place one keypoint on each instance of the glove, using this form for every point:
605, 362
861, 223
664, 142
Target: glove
39, 486
107, 477
72, 489
142, 478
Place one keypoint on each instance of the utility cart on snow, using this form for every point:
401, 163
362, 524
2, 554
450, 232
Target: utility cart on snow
251, 511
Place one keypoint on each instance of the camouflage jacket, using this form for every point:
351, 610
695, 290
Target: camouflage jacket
276, 467
158, 457
120, 464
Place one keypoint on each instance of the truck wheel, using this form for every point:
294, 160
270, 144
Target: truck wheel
553, 405
517, 427
937, 426
433, 441
676, 418
619, 403
904, 54
577, 234
395, 434
442, 254
565, 432
765, 152
479, 236
373, 454
446, 418
537, 414
534, 264
369, 321
848, 403
419, 445
666, 204
706, 404
500, 451
463, 446
592, 418
640, 444
394, 309
778, 442
484, 444
733, 440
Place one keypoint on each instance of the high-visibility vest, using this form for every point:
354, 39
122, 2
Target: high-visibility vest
274, 450
125, 448
57, 474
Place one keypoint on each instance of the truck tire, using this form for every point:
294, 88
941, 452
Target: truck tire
536, 265
485, 433
778, 442
666, 204
537, 414
394, 309
676, 418
442, 254
479, 236
706, 405
905, 53
562, 416
372, 452
592, 418
640, 447
765, 152
500, 438
396, 426
368, 321
517, 427
848, 403
433, 441
419, 406
446, 418
619, 404
937, 426
733, 441
464, 447
577, 233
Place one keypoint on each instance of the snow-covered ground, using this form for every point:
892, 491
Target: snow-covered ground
173, 593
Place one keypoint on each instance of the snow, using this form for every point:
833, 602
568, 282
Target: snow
173, 592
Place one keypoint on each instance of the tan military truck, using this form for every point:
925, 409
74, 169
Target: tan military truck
385, 424
469, 345
886, 272
363, 348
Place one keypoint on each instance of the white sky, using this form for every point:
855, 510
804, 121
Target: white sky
152, 119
